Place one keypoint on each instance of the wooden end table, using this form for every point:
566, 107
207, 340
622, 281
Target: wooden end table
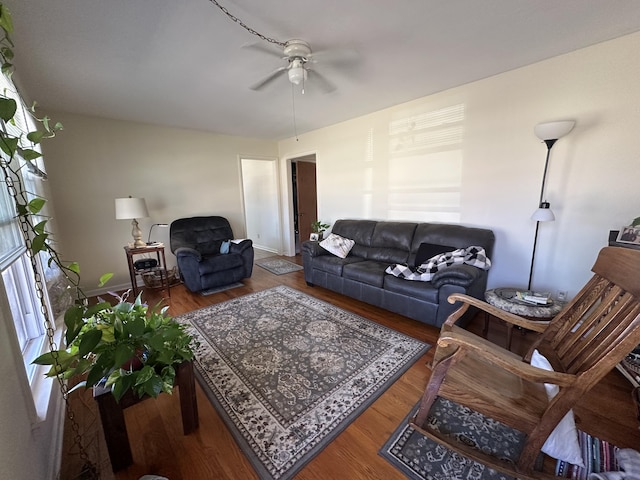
112, 414
161, 268
505, 299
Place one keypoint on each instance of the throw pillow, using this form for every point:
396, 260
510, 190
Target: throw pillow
427, 251
224, 247
337, 245
563, 441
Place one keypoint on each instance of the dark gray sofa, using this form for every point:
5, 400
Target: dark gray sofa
378, 244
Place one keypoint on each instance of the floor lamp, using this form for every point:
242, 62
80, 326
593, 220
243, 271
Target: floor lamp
548, 132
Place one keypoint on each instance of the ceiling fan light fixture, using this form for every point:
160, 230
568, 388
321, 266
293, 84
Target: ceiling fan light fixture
297, 74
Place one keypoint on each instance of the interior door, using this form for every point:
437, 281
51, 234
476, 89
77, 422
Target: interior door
306, 198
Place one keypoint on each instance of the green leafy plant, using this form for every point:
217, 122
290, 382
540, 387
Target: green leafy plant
123, 346
319, 227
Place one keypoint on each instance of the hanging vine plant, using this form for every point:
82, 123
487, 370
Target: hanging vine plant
126, 345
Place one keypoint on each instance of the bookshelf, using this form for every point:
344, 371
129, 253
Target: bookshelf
630, 375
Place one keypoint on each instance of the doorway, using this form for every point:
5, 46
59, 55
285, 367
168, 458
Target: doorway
305, 199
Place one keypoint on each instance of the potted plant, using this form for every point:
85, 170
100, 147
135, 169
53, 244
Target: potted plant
317, 230
122, 346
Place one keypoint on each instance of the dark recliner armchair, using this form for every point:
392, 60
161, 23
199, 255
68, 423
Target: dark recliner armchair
196, 243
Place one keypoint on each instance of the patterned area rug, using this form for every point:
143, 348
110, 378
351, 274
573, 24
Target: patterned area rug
278, 266
289, 372
420, 458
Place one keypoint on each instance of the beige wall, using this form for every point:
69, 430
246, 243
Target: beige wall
487, 170
180, 173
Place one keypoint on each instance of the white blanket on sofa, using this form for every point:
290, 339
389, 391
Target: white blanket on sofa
473, 255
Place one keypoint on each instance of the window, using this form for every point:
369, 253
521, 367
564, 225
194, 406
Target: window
17, 275
18, 279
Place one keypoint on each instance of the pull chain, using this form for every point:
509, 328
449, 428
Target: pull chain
293, 105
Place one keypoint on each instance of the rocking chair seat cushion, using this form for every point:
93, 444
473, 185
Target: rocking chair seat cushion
562, 444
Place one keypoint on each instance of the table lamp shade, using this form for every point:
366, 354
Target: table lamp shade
129, 208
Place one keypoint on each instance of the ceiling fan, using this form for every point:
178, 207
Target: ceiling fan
298, 55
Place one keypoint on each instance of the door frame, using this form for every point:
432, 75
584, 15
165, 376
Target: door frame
288, 234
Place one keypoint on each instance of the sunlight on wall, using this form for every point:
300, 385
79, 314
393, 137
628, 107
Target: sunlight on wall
425, 165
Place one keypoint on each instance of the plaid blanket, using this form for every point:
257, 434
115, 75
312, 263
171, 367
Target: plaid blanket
474, 256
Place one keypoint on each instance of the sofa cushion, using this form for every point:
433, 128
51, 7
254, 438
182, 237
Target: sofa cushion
429, 250
421, 290
457, 236
333, 265
367, 271
360, 231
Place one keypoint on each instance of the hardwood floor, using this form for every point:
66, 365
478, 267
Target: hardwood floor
159, 447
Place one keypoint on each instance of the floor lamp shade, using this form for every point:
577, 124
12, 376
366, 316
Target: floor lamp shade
553, 130
130, 209
543, 214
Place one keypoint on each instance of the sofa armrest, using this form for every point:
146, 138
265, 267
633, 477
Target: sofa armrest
188, 253
313, 249
460, 275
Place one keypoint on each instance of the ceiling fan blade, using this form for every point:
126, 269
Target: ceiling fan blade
342, 57
261, 47
268, 79
321, 81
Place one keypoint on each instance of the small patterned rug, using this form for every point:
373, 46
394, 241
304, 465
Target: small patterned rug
278, 266
420, 458
288, 372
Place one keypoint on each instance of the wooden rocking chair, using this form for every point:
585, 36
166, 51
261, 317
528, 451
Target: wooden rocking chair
586, 340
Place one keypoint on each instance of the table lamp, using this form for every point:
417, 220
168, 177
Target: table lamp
161, 225
130, 209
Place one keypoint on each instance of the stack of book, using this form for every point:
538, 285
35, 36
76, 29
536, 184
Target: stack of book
630, 366
534, 298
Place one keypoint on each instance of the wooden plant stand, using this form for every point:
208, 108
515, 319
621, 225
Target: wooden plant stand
112, 415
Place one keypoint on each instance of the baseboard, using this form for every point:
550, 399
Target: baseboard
110, 288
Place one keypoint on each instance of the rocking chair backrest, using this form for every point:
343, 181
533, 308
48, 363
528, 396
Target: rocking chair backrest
601, 325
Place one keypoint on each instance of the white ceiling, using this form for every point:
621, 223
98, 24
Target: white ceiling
182, 63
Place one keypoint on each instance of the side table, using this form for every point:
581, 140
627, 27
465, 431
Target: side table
505, 299
112, 414
158, 249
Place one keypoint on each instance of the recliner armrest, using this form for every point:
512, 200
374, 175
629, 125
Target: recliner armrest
241, 246
460, 275
188, 252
